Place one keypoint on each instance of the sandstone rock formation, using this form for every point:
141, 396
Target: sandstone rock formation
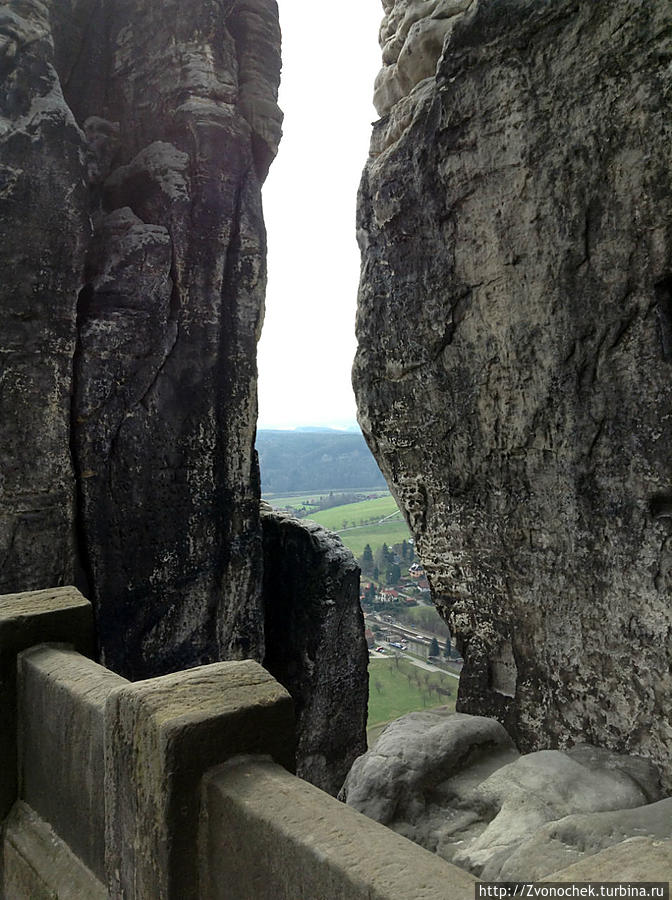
135, 137
134, 140
515, 344
456, 785
315, 644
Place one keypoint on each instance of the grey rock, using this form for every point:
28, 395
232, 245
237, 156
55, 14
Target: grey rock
540, 787
456, 785
134, 139
169, 318
416, 753
45, 229
513, 366
579, 838
315, 644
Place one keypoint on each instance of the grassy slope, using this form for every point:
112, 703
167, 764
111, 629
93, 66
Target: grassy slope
397, 697
376, 535
355, 512
392, 531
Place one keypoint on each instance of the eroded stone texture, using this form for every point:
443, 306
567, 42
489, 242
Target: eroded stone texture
45, 229
135, 138
169, 318
456, 785
315, 643
514, 361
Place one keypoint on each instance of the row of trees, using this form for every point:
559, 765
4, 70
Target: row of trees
435, 650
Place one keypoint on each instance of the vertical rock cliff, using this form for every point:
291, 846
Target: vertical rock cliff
135, 138
515, 349
44, 221
315, 644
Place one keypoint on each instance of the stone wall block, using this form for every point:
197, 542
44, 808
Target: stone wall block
162, 735
58, 615
61, 704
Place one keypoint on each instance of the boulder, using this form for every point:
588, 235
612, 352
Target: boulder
456, 785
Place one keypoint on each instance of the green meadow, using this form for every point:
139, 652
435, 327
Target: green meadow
399, 687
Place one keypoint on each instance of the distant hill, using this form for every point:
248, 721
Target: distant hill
315, 460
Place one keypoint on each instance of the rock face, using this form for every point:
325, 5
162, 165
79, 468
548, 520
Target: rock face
315, 643
42, 257
456, 785
515, 350
135, 138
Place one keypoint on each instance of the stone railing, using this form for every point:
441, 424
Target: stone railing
179, 787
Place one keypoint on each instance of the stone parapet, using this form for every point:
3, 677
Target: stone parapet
62, 699
269, 836
162, 736
55, 615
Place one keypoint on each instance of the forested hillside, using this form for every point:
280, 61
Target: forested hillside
308, 461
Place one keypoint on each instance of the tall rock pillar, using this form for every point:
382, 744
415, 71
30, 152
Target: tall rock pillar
514, 370
135, 139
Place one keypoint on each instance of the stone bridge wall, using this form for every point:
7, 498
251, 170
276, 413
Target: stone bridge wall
180, 786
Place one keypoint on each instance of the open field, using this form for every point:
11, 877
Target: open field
303, 498
396, 690
390, 533
356, 513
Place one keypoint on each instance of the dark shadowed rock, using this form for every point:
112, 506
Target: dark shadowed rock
169, 318
45, 230
135, 138
315, 643
515, 351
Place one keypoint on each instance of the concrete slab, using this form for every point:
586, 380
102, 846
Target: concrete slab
38, 865
269, 836
637, 859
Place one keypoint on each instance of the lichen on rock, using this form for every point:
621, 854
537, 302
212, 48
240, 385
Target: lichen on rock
513, 368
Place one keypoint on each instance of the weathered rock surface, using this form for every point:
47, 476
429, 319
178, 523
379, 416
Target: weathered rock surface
315, 643
42, 259
456, 785
515, 335
134, 140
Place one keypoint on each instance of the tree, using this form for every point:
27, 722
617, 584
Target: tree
376, 573
447, 648
434, 647
393, 574
384, 557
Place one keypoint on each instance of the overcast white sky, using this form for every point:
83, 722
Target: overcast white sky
330, 60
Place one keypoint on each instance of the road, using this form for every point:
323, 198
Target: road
421, 664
